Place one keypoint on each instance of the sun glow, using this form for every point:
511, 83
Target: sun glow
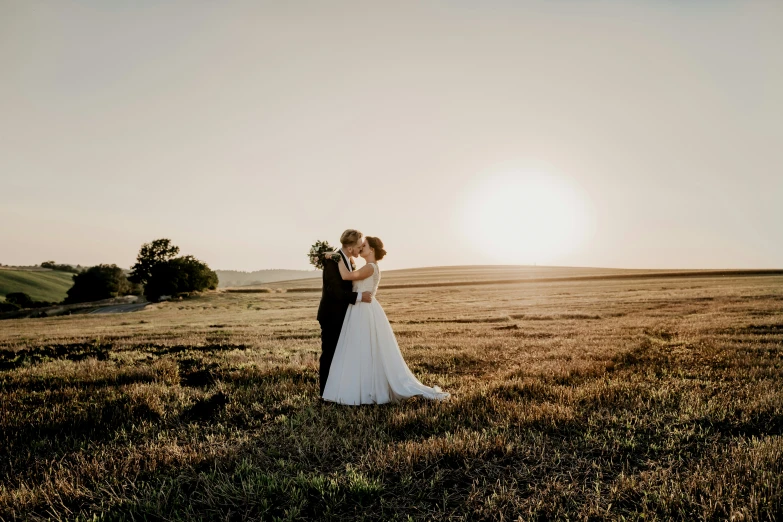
526, 218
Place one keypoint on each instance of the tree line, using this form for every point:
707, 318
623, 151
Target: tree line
61, 268
158, 272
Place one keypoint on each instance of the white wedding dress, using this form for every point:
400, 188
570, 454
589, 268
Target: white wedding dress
368, 367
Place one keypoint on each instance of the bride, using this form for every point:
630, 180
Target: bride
368, 367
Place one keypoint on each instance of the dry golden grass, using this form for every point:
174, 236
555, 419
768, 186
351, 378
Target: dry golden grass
648, 399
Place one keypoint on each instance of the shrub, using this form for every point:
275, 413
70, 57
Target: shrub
5, 306
20, 299
99, 282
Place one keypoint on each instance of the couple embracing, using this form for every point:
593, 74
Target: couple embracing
360, 361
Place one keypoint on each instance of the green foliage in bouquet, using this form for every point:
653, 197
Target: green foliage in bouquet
320, 252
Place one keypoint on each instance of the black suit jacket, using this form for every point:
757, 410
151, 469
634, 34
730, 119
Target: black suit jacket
336, 295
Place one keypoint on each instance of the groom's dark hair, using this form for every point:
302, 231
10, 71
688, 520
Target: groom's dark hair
350, 237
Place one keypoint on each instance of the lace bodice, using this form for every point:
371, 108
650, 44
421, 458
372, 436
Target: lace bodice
371, 283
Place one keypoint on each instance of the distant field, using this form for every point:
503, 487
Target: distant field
644, 399
234, 278
446, 275
41, 285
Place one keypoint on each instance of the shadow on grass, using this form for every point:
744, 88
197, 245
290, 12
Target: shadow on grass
92, 422
55, 384
11, 359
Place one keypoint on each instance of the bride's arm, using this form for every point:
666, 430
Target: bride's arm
357, 275
333, 286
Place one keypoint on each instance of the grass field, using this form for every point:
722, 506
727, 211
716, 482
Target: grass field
40, 285
608, 399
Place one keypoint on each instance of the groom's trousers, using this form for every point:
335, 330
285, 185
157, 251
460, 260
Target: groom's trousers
329, 337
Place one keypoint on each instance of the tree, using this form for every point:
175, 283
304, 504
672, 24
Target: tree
20, 299
197, 275
23, 300
62, 268
163, 274
164, 279
98, 282
179, 275
151, 254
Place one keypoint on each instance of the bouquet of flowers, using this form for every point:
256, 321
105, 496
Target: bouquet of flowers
320, 252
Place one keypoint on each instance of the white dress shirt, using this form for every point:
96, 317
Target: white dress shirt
350, 269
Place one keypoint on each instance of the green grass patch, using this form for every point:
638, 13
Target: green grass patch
41, 286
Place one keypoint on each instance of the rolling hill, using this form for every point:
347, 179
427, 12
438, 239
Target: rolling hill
41, 285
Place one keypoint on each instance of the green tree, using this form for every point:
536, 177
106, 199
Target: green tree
179, 275
62, 268
196, 275
99, 282
163, 274
20, 299
150, 255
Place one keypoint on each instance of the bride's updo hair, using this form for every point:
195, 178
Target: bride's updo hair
377, 245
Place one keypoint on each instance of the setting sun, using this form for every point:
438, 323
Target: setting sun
525, 217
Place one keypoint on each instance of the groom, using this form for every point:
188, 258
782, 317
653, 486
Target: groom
336, 297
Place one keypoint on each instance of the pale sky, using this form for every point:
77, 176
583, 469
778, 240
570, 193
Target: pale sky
607, 133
